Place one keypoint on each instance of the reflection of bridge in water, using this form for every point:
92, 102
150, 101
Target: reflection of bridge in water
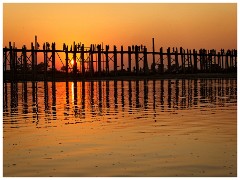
103, 98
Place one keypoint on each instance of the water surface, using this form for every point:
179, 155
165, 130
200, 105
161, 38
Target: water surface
120, 128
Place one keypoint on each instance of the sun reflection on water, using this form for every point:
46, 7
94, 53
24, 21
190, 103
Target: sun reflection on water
144, 128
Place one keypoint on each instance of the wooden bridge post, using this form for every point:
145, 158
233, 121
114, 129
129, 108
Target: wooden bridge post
219, 60
24, 53
82, 58
231, 58
222, 54
11, 61
214, 57
107, 61
136, 59
205, 60
66, 53
226, 60
4, 61
75, 61
90, 60
129, 59
169, 60
15, 60
53, 61
182, 59
115, 59
154, 63
35, 56
176, 60
190, 61
161, 61
195, 60
145, 61
201, 59
122, 59
211, 60
33, 63
99, 60
45, 61
235, 59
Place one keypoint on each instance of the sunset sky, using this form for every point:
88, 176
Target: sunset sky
209, 26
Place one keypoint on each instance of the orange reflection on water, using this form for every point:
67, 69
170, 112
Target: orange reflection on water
121, 128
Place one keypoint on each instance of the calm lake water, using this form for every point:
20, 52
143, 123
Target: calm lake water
120, 128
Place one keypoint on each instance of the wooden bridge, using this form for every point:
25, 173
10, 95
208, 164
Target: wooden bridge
21, 64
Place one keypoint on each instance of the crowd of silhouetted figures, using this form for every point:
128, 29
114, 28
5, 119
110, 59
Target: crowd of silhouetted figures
102, 96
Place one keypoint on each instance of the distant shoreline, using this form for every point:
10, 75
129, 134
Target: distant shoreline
140, 77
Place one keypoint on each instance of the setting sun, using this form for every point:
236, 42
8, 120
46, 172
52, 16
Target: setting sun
72, 62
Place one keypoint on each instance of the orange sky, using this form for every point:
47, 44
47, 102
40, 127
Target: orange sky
210, 26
